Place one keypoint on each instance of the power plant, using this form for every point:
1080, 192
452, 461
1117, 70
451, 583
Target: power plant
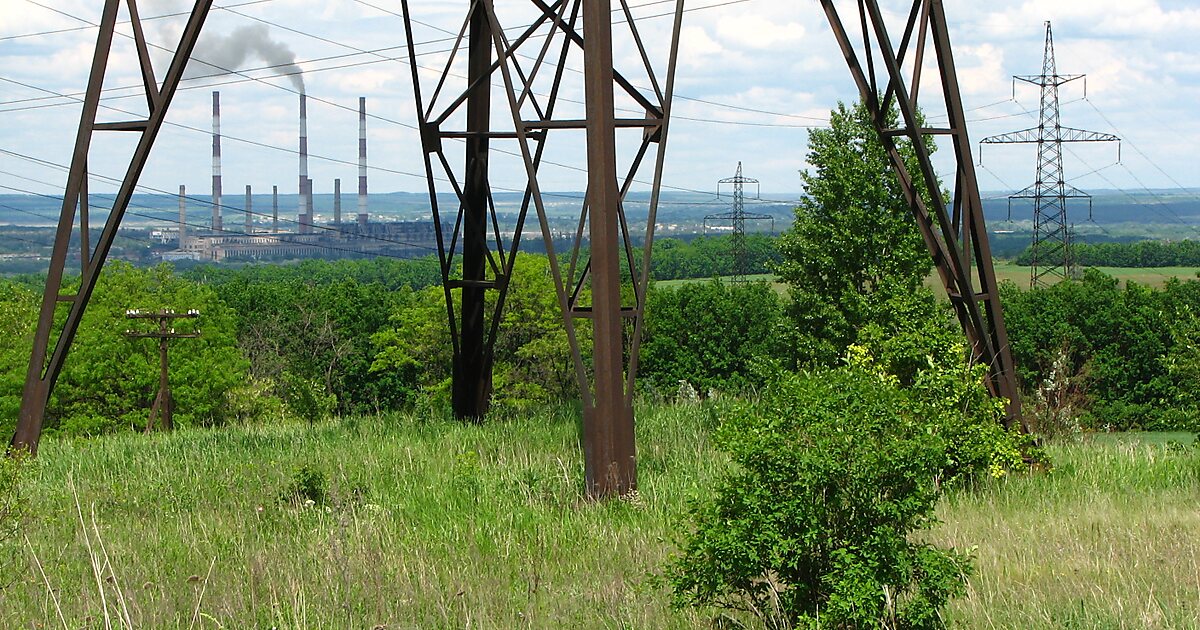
308, 239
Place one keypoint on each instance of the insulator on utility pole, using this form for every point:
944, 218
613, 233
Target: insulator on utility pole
162, 406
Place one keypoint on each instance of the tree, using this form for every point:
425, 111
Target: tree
709, 334
533, 361
854, 240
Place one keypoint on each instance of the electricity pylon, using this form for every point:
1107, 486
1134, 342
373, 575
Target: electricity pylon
1051, 247
737, 218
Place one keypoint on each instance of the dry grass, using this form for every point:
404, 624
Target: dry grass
1109, 539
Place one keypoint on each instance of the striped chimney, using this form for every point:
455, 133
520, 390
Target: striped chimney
249, 211
216, 162
304, 190
274, 209
182, 214
362, 160
337, 201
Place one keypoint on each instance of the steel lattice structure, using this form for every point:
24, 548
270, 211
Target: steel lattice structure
46, 360
1051, 232
954, 230
737, 219
590, 287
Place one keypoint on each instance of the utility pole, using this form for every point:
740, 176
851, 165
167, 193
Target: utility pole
162, 400
737, 218
1051, 246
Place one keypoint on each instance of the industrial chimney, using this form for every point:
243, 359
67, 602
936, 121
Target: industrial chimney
249, 211
216, 162
305, 209
274, 209
182, 214
362, 161
337, 201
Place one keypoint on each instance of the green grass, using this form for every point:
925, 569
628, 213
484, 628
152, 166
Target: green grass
1154, 277
435, 524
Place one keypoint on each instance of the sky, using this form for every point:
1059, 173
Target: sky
754, 77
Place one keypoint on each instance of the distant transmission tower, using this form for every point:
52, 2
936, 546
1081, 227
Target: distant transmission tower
738, 217
1051, 247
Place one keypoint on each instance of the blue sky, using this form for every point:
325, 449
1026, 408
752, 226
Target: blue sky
755, 75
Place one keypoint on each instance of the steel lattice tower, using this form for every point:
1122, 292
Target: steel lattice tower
737, 218
1051, 232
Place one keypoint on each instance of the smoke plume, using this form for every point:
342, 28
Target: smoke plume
248, 43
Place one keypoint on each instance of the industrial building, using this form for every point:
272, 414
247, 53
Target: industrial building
337, 239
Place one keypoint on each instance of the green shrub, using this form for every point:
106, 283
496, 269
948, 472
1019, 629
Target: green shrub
812, 528
307, 484
306, 398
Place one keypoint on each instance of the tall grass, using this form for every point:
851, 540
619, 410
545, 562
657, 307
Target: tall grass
428, 523
1110, 538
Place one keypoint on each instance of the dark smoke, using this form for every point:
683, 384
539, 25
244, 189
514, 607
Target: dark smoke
251, 42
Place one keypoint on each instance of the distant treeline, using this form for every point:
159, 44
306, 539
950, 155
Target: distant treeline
710, 256
1138, 254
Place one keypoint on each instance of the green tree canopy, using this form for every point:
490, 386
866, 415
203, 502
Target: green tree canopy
854, 243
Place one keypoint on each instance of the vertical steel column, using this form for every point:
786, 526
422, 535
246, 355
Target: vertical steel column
46, 365
610, 460
472, 378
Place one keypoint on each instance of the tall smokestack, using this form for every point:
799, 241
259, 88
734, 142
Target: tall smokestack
216, 162
182, 214
249, 209
304, 190
337, 201
274, 209
362, 160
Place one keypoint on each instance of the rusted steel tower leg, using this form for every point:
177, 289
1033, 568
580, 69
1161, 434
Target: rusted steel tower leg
472, 378
586, 289
611, 465
46, 359
953, 231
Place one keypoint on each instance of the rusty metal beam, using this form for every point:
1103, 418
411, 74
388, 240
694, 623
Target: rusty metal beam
610, 458
606, 382
956, 236
45, 364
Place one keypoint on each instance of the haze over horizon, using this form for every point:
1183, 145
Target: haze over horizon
753, 77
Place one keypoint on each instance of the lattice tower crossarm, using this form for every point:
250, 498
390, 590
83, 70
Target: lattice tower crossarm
1052, 232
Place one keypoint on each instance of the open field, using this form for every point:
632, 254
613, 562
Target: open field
434, 524
1155, 277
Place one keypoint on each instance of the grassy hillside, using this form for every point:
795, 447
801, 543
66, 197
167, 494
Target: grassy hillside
427, 523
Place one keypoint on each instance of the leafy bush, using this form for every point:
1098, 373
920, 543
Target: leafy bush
306, 398
307, 484
709, 334
834, 472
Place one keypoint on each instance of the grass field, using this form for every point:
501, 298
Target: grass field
1154, 277
434, 524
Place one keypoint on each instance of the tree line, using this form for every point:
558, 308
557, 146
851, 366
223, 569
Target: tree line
1139, 254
